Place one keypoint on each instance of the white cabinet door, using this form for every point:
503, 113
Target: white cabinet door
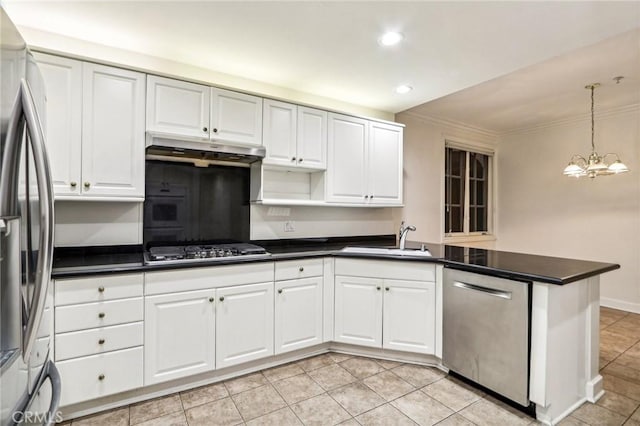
179, 335
279, 133
236, 118
385, 164
409, 316
358, 311
113, 138
244, 323
177, 107
298, 316
312, 138
347, 152
63, 82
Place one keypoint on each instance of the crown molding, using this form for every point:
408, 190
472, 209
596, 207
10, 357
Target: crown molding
603, 114
450, 123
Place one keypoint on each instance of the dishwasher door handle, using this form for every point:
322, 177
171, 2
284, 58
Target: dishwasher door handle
487, 290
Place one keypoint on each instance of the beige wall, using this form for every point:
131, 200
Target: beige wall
541, 211
424, 172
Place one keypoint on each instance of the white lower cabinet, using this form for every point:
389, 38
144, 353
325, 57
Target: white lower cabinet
244, 323
389, 306
358, 311
298, 314
179, 335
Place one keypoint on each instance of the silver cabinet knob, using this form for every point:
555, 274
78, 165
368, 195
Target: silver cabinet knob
279, 291
299, 160
378, 288
101, 342
366, 197
386, 288
101, 315
101, 377
101, 289
293, 158
371, 196
215, 130
204, 129
73, 184
301, 269
222, 298
87, 184
211, 299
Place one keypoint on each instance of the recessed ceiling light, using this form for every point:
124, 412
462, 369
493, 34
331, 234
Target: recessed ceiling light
390, 38
403, 89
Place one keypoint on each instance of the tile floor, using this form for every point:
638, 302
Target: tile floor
335, 389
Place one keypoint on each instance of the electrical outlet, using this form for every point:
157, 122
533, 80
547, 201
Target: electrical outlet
289, 227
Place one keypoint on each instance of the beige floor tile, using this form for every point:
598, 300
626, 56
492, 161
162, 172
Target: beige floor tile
297, 388
338, 357
332, 376
596, 415
117, 417
614, 341
282, 372
320, 410
455, 420
220, 412
361, 367
417, 375
154, 408
388, 385
350, 422
486, 413
244, 383
452, 393
628, 360
633, 350
509, 409
616, 369
385, 415
281, 417
258, 402
609, 355
636, 415
572, 421
625, 329
618, 403
202, 395
175, 419
388, 364
632, 422
356, 398
621, 386
316, 362
421, 408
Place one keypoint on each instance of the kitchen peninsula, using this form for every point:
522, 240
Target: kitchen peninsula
329, 283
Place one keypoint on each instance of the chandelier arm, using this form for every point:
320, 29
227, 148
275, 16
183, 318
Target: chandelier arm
578, 159
611, 153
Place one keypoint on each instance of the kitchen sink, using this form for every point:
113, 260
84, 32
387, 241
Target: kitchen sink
389, 251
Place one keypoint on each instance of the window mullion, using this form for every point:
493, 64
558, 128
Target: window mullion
465, 226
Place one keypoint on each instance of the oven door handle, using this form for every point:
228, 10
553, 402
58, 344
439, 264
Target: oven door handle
482, 289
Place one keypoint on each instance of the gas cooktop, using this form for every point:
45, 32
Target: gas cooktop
202, 253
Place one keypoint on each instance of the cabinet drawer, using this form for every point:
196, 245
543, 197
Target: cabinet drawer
388, 269
97, 340
100, 375
100, 314
303, 268
98, 288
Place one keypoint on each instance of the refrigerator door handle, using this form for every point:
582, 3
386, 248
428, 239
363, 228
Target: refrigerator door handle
56, 390
45, 254
52, 416
10, 159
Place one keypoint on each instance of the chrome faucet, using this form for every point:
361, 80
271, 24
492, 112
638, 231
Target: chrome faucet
404, 230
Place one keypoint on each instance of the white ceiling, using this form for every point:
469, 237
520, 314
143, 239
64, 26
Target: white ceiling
330, 49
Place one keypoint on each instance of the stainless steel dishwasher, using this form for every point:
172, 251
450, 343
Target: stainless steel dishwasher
486, 331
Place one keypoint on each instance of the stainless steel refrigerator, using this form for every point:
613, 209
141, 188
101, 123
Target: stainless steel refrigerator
29, 381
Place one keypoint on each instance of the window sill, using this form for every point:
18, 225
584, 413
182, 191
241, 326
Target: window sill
453, 239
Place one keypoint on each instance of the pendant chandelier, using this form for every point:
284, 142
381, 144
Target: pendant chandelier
594, 165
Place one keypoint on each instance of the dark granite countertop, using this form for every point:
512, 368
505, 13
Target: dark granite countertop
75, 262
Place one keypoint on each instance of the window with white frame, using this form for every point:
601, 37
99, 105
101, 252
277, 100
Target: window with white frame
467, 205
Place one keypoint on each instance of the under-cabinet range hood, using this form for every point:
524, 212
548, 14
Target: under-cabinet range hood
200, 152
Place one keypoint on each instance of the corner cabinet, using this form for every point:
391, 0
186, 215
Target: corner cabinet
95, 131
191, 110
364, 162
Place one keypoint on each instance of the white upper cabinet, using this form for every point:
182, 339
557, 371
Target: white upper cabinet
95, 129
279, 133
177, 107
365, 162
346, 172
113, 131
294, 136
385, 164
63, 80
236, 118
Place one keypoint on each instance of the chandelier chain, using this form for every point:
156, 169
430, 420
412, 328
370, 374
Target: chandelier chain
593, 145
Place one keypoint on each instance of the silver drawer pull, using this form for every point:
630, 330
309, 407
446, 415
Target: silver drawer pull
101, 377
101, 289
101, 315
101, 342
490, 291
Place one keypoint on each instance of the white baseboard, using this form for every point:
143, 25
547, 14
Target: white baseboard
620, 304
